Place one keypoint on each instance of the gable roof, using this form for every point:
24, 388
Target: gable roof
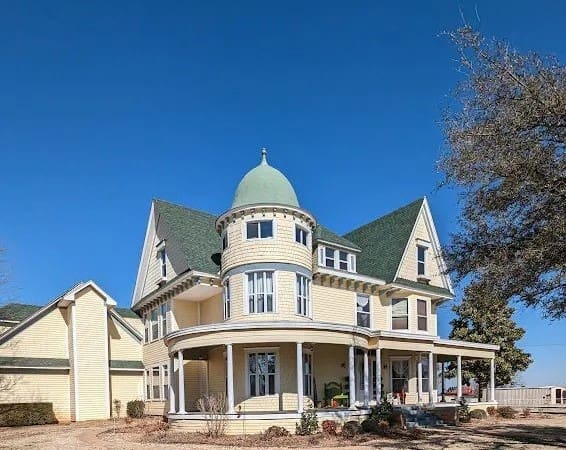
321, 233
127, 313
384, 241
16, 312
193, 232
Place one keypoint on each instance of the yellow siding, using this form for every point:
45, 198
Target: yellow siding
196, 383
30, 342
330, 365
92, 342
155, 353
122, 344
186, 313
211, 310
216, 371
136, 324
281, 248
40, 386
333, 305
125, 386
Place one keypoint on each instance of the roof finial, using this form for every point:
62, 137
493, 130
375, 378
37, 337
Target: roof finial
264, 156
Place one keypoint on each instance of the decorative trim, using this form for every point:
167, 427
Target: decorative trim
19, 362
270, 267
466, 344
352, 275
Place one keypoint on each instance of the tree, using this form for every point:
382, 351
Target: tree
506, 138
485, 317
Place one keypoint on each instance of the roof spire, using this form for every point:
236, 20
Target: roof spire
264, 156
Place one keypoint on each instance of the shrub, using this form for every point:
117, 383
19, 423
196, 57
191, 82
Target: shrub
370, 426
351, 429
117, 407
329, 427
526, 412
213, 407
383, 426
478, 414
135, 409
275, 432
383, 411
18, 414
506, 412
491, 411
463, 411
308, 425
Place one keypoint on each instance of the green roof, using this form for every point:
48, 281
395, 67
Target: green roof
264, 184
127, 313
17, 311
15, 361
193, 233
321, 233
435, 290
125, 364
383, 241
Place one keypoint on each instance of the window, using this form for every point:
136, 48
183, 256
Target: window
307, 374
343, 261
162, 257
164, 308
260, 229
146, 323
329, 257
156, 394
301, 235
424, 364
262, 373
227, 302
399, 375
422, 316
336, 259
421, 260
147, 384
154, 324
362, 310
399, 314
260, 292
225, 240
165, 381
303, 295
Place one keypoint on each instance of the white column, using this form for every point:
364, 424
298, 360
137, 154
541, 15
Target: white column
172, 405
459, 377
420, 379
492, 379
352, 376
378, 375
366, 378
299, 377
229, 379
431, 375
181, 386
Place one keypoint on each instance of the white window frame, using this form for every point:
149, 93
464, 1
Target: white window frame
407, 314
258, 221
154, 323
275, 351
363, 312
148, 390
350, 258
308, 379
153, 384
303, 300
163, 319
147, 327
426, 303
164, 382
162, 258
423, 261
247, 293
226, 299
305, 233
424, 362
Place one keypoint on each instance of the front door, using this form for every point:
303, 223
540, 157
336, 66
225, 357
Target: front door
399, 376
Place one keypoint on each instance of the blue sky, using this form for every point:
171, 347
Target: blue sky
106, 105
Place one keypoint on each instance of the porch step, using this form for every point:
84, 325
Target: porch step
417, 416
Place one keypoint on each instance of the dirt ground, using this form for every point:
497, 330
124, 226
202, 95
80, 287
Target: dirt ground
533, 432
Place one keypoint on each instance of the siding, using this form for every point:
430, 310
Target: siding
122, 344
125, 386
153, 274
155, 353
211, 310
186, 313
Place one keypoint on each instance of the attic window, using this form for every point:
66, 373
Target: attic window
421, 261
162, 257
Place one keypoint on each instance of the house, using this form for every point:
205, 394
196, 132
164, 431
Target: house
265, 306
78, 352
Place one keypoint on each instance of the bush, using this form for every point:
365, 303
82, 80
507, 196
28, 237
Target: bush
370, 426
135, 409
308, 425
526, 412
506, 412
351, 429
383, 411
274, 432
478, 414
18, 414
213, 408
329, 427
491, 411
463, 411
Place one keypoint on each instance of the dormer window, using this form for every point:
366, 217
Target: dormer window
336, 259
259, 229
162, 258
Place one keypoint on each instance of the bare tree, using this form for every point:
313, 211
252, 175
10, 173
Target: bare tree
214, 409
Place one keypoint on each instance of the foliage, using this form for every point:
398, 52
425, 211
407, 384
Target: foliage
351, 429
275, 432
478, 414
117, 407
463, 410
308, 424
329, 427
135, 409
19, 414
483, 317
506, 412
213, 407
506, 137
383, 411
370, 426
491, 410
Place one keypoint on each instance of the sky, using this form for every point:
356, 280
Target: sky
106, 105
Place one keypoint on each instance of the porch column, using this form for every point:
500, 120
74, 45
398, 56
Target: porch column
352, 376
431, 375
492, 379
459, 377
366, 378
229, 379
299, 377
443, 399
181, 387
172, 405
420, 379
378, 375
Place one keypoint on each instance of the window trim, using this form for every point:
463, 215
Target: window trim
356, 312
350, 258
162, 258
246, 292
162, 381
404, 315
275, 350
310, 353
163, 319
308, 296
426, 316
227, 299
225, 240
307, 234
423, 262
245, 229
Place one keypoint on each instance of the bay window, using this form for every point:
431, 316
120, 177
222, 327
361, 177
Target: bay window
262, 370
399, 314
303, 295
260, 292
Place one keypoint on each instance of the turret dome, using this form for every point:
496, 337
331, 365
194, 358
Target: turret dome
264, 184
